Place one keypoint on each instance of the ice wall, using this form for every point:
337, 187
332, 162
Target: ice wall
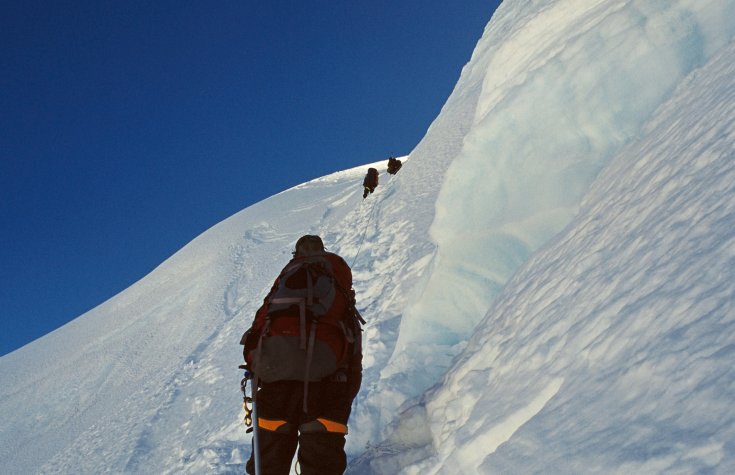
612, 349
566, 86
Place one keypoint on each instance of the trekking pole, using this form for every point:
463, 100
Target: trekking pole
251, 412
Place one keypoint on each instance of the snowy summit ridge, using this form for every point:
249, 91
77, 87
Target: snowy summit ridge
549, 281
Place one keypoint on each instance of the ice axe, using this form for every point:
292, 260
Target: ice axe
250, 405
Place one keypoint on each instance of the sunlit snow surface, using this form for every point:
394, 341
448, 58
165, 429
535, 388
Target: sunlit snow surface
549, 281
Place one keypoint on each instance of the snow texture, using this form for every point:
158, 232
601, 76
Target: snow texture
549, 281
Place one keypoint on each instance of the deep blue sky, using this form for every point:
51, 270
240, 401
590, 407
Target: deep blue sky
127, 128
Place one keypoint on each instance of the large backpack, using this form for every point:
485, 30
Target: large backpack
307, 328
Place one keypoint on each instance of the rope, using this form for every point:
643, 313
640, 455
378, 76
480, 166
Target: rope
364, 232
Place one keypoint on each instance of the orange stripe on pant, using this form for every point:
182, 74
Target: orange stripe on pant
332, 426
319, 425
323, 425
273, 426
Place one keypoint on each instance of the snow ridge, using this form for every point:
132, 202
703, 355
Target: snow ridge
548, 281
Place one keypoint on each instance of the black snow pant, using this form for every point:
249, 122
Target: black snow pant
319, 432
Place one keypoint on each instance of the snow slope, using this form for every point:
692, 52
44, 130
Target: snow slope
548, 280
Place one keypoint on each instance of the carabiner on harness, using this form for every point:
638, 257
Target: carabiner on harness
247, 402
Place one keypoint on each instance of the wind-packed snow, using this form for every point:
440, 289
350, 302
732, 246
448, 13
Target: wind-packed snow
549, 281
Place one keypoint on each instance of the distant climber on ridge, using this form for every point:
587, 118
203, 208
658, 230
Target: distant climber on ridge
394, 165
370, 182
